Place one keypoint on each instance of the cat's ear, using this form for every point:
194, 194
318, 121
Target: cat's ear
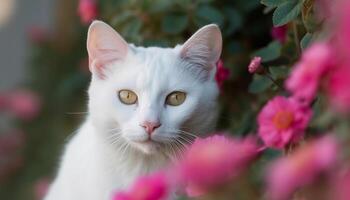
204, 47
104, 45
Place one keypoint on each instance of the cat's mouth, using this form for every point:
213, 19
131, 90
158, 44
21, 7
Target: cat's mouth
148, 146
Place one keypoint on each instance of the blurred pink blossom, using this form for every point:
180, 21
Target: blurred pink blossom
254, 65
9, 164
341, 187
282, 121
324, 9
24, 104
41, 187
10, 160
87, 10
301, 168
38, 34
280, 33
338, 88
123, 196
152, 187
11, 142
222, 73
213, 161
304, 80
341, 39
3, 102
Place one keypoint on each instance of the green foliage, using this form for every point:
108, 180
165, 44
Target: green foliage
61, 79
269, 53
234, 19
304, 43
259, 84
273, 3
174, 24
286, 12
279, 72
206, 14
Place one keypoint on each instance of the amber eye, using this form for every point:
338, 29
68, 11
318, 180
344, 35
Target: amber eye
127, 97
175, 98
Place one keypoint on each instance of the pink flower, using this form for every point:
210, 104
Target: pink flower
37, 34
11, 142
23, 104
222, 73
324, 9
282, 121
123, 196
304, 79
10, 161
254, 65
280, 33
301, 168
153, 187
213, 161
87, 11
341, 187
341, 32
3, 102
338, 88
41, 187
9, 165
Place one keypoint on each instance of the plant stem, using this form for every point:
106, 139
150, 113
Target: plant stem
296, 38
268, 75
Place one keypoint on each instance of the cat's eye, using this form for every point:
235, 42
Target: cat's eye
127, 97
175, 98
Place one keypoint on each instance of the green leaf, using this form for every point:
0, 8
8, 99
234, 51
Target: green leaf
246, 6
205, 1
259, 84
286, 12
234, 20
304, 43
273, 3
234, 47
207, 14
158, 6
121, 18
268, 9
156, 42
270, 52
132, 29
183, 3
279, 72
174, 24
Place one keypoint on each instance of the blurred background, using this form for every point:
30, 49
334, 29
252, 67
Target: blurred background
44, 73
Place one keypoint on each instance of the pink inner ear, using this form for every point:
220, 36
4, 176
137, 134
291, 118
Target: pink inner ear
102, 59
104, 46
204, 47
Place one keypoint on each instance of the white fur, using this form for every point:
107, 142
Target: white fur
111, 148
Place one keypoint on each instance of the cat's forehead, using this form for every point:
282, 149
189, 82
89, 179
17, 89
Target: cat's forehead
152, 68
156, 55
159, 66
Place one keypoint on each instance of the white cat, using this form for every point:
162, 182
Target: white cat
144, 104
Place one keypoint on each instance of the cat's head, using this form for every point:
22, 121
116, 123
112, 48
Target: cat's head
150, 97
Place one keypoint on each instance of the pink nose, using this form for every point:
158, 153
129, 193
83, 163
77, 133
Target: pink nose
150, 126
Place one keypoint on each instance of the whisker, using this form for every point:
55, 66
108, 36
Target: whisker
76, 113
187, 140
188, 133
126, 148
180, 147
